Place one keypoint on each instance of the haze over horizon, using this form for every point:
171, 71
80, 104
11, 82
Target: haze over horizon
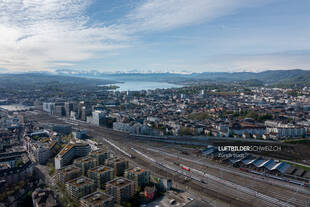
154, 36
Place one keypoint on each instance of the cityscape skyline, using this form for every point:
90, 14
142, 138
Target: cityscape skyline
154, 36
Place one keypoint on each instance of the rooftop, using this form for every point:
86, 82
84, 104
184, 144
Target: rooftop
137, 170
120, 182
65, 149
52, 143
69, 169
99, 151
84, 159
118, 159
100, 169
70, 146
80, 181
97, 198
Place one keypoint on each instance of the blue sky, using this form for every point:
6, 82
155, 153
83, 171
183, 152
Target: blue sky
154, 36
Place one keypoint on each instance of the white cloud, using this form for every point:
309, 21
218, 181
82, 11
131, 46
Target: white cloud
169, 14
43, 34
46, 34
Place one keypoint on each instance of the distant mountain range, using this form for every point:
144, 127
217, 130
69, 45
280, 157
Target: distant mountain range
276, 78
45, 79
280, 78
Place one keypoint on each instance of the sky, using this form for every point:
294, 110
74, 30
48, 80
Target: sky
154, 35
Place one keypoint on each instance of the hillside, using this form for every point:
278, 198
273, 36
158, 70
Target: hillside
43, 79
276, 78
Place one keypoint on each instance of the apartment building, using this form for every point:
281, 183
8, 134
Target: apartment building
68, 173
101, 155
79, 187
118, 164
97, 199
121, 189
69, 152
139, 175
101, 175
41, 152
85, 163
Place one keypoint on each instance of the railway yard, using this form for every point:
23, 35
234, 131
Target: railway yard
205, 179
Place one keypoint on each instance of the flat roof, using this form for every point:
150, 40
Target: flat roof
136, 170
80, 181
120, 182
68, 147
118, 159
69, 169
96, 197
65, 149
100, 168
84, 159
99, 151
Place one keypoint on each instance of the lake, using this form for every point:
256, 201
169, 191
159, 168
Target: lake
144, 85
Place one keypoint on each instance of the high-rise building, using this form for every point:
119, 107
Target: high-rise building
101, 175
60, 110
97, 118
68, 108
49, 107
84, 110
121, 189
